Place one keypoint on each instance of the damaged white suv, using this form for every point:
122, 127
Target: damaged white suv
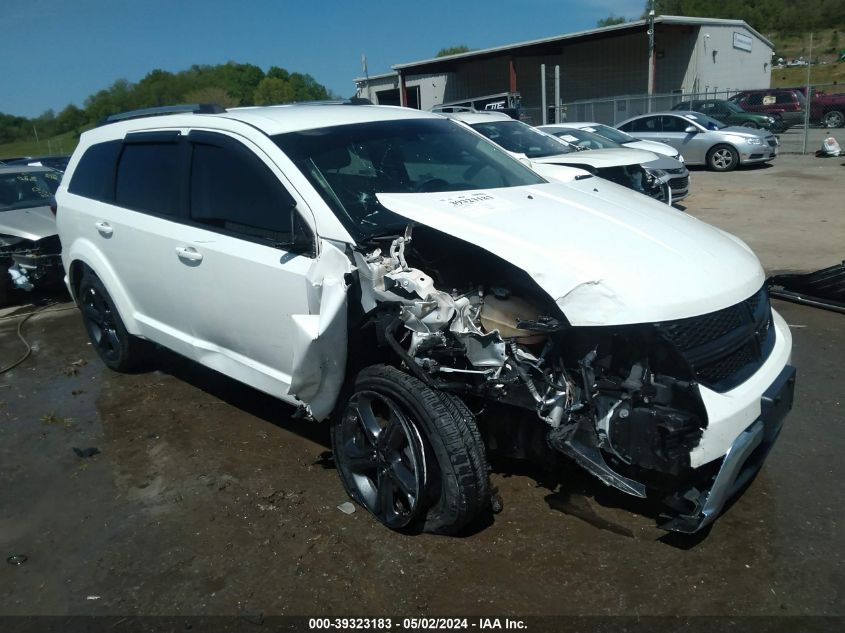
394, 271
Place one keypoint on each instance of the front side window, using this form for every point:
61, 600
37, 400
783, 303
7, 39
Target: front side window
237, 192
148, 177
350, 164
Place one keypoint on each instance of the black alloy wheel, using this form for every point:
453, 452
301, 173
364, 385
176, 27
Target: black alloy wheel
116, 347
383, 458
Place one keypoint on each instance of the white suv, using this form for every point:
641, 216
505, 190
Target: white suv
394, 271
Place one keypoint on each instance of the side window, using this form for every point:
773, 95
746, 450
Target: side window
94, 175
673, 124
148, 177
646, 124
755, 99
784, 97
233, 190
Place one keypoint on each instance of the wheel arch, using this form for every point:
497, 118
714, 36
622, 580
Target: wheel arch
84, 256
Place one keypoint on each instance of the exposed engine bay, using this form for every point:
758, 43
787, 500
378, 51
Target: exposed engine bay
620, 401
25, 263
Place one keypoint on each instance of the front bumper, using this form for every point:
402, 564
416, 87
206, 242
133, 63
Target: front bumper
743, 460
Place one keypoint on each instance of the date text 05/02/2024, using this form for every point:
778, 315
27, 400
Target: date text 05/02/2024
415, 624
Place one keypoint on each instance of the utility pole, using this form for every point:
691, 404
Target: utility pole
650, 53
809, 97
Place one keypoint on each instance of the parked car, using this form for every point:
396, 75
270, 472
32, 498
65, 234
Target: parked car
581, 138
546, 154
826, 109
393, 271
58, 162
787, 103
731, 114
626, 140
29, 244
705, 141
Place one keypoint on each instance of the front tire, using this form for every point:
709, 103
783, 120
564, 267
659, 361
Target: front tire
409, 454
834, 118
722, 158
118, 349
750, 124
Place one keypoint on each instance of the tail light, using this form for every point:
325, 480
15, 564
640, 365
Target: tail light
53, 207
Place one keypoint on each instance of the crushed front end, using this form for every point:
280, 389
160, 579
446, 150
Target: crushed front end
28, 263
683, 411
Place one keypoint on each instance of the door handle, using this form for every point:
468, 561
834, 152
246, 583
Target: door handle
104, 229
188, 254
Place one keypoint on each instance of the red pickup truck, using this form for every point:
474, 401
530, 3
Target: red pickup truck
827, 109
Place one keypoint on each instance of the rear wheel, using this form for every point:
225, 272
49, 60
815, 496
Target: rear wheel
118, 349
722, 158
834, 118
409, 454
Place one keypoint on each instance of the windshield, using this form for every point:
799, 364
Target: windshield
704, 120
584, 139
349, 164
611, 133
519, 138
732, 107
27, 189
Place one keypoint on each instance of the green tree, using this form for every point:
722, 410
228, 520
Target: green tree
272, 90
610, 21
211, 94
453, 50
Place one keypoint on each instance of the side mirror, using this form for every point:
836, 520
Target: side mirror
302, 239
691, 129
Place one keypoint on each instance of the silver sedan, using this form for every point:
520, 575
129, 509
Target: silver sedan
703, 140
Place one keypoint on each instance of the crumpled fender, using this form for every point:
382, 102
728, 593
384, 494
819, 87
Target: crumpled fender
320, 338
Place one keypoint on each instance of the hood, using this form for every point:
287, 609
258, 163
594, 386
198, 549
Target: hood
599, 158
606, 257
31, 224
746, 132
653, 146
664, 162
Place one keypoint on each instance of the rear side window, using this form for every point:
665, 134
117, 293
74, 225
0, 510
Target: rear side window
94, 175
235, 191
148, 178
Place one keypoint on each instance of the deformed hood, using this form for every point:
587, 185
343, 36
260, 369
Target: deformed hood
600, 158
30, 224
605, 256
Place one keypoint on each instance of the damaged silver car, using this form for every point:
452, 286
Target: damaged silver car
30, 252
398, 274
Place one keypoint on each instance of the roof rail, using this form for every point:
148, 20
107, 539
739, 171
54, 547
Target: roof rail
190, 108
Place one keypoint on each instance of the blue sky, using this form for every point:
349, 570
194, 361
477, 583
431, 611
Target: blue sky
55, 52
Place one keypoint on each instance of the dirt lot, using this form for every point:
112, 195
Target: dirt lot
790, 211
206, 497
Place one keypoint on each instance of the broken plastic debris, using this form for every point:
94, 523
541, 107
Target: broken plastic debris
17, 559
92, 598
86, 452
347, 507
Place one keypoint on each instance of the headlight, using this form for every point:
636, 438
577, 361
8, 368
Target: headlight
770, 119
653, 175
679, 157
755, 141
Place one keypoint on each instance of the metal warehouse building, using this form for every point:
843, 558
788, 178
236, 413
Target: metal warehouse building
689, 55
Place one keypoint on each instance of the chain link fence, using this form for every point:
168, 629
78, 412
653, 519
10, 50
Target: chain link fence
613, 110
